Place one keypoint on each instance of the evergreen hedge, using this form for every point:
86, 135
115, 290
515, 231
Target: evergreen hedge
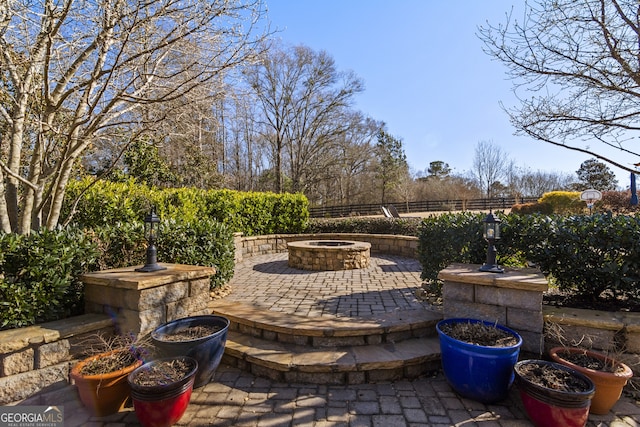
251, 213
594, 256
39, 272
39, 275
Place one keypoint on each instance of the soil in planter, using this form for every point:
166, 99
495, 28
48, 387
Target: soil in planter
586, 361
162, 373
107, 364
552, 378
190, 333
479, 334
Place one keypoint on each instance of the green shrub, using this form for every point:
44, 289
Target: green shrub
530, 208
106, 202
594, 256
120, 244
256, 214
200, 242
40, 275
291, 213
397, 226
564, 202
184, 204
251, 213
449, 238
585, 254
205, 242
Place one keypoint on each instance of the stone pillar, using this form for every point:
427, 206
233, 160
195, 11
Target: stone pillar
140, 302
512, 298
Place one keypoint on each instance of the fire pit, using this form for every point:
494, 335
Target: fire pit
328, 254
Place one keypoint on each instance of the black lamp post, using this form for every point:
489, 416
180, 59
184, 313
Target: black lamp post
491, 233
151, 222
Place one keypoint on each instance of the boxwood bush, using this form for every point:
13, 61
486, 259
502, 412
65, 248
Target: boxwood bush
448, 238
39, 275
251, 213
203, 242
398, 226
593, 256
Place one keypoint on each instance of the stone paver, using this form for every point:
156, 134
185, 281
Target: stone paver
238, 398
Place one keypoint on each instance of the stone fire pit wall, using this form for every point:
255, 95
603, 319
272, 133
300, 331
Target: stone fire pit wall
512, 298
332, 255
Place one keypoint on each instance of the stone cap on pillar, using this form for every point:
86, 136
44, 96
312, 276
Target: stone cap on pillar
128, 278
529, 279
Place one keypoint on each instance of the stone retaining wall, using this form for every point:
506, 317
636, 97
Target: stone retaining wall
117, 301
248, 246
40, 357
615, 333
140, 302
512, 299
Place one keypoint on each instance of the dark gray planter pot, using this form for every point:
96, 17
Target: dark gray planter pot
207, 351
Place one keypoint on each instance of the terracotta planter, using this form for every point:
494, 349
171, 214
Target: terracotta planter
554, 406
162, 405
609, 385
103, 394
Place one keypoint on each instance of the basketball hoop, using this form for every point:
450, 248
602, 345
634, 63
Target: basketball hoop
590, 197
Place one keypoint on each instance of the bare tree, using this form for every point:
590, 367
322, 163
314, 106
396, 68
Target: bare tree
579, 60
490, 165
536, 183
303, 98
245, 159
346, 166
76, 71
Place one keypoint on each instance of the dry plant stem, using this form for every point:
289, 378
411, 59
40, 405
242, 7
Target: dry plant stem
127, 349
161, 373
479, 334
552, 378
191, 333
556, 333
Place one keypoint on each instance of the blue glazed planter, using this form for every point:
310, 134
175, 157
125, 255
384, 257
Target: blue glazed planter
207, 351
478, 372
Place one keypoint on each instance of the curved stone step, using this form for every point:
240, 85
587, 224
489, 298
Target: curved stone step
390, 327
286, 362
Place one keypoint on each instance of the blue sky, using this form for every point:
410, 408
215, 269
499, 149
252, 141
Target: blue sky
425, 75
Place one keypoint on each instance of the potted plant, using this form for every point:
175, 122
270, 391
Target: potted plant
608, 374
553, 395
201, 337
161, 390
478, 357
101, 379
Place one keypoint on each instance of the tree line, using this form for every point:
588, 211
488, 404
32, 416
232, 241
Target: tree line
198, 94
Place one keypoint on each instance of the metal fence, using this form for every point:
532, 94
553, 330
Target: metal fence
419, 206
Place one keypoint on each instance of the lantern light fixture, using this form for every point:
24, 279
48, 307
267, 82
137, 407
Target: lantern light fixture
151, 225
491, 233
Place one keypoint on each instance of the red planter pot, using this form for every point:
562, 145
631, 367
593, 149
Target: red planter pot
162, 405
609, 385
550, 407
